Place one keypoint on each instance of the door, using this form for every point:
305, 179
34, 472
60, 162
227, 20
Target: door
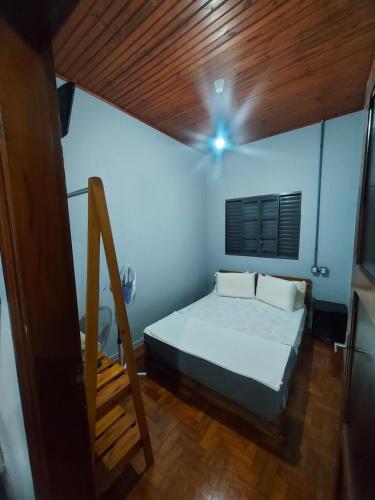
36, 254
358, 432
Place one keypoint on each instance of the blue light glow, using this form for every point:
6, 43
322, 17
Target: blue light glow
219, 143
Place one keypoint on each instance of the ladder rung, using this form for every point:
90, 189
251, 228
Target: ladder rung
104, 364
108, 419
118, 439
123, 449
112, 434
108, 375
112, 393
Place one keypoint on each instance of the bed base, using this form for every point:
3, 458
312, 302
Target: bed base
197, 394
211, 402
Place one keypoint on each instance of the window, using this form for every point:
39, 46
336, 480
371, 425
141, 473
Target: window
263, 226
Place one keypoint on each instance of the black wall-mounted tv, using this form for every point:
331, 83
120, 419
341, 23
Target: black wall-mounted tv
66, 95
367, 253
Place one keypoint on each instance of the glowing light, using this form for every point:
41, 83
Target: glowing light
219, 143
219, 85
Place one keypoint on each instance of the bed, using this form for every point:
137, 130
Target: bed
242, 349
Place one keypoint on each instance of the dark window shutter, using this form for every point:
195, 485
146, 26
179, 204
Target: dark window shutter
250, 216
268, 227
264, 226
233, 221
289, 225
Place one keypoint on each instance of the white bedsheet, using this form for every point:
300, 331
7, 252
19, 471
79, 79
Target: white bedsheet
251, 317
245, 336
250, 356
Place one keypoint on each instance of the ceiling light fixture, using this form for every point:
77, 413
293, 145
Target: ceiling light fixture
219, 143
219, 85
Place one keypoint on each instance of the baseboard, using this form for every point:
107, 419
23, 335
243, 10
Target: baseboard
114, 357
2, 463
136, 344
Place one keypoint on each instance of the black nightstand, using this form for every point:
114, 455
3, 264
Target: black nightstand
329, 321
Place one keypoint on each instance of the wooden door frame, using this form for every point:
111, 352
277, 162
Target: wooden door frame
36, 252
362, 290
361, 282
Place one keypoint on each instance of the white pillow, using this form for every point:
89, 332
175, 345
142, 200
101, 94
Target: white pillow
300, 295
276, 292
241, 285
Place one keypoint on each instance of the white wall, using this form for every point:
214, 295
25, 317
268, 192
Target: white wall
19, 483
289, 162
161, 202
167, 204
155, 190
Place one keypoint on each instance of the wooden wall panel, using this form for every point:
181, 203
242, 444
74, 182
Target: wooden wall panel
287, 63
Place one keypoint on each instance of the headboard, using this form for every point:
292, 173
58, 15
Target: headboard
308, 295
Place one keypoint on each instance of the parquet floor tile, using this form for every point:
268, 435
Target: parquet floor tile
203, 454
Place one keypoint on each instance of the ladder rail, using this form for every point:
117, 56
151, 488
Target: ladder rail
101, 226
92, 314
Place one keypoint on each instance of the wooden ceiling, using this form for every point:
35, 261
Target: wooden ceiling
286, 63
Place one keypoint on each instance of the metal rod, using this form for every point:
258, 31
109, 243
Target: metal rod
78, 192
322, 131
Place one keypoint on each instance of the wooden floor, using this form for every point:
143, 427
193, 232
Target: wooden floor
201, 453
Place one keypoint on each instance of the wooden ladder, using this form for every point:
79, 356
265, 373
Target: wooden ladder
115, 434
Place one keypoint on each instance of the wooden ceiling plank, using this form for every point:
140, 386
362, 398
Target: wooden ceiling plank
262, 68
317, 54
264, 96
271, 128
71, 25
332, 29
184, 87
136, 12
117, 14
282, 59
117, 48
252, 130
160, 29
221, 33
316, 90
274, 104
201, 57
124, 42
198, 22
281, 121
257, 129
266, 128
89, 22
301, 117
286, 25
315, 61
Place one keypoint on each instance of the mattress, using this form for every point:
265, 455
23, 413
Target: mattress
250, 317
242, 348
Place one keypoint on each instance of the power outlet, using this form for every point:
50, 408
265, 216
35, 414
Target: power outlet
320, 271
315, 270
324, 272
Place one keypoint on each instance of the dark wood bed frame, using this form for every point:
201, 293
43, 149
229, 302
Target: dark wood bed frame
190, 389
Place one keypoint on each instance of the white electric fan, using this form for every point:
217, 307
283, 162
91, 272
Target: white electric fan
129, 285
128, 281
104, 326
